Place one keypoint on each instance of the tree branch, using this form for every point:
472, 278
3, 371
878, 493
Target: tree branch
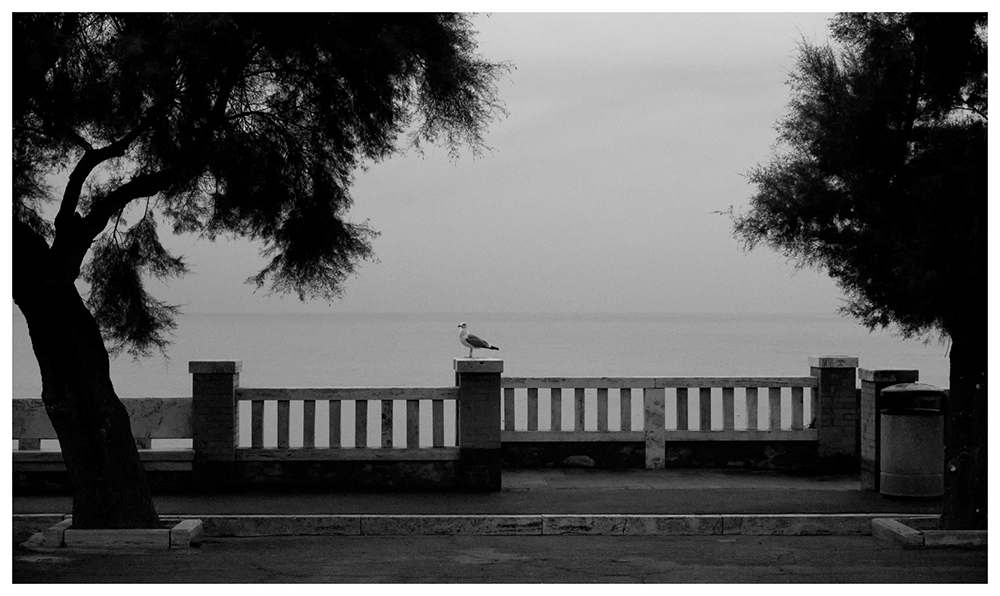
971, 108
79, 140
143, 185
71, 245
93, 158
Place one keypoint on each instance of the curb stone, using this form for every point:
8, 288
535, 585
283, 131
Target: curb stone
924, 532
178, 533
519, 525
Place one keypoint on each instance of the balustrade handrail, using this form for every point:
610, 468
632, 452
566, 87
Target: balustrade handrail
345, 393
655, 382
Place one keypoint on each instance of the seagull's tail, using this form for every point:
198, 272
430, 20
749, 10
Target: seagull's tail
492, 348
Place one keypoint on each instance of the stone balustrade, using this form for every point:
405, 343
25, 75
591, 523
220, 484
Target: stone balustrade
460, 437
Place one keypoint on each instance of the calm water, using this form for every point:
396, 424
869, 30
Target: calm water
417, 349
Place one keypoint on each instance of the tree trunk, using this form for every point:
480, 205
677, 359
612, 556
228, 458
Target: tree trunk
110, 488
965, 470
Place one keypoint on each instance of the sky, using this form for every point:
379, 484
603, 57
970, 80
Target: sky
625, 135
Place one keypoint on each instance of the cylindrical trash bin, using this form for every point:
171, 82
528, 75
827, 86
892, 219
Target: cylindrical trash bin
912, 441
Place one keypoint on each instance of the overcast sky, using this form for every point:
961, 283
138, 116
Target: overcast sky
625, 133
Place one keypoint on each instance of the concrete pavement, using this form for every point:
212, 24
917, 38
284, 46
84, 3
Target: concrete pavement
702, 491
535, 502
538, 502
562, 526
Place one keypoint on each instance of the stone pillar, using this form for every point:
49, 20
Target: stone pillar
837, 418
478, 423
872, 402
654, 425
215, 421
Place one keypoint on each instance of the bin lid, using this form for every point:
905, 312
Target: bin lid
913, 389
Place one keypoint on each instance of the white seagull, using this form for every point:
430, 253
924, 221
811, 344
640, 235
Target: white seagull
472, 342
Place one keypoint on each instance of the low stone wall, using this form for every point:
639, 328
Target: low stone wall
348, 475
294, 475
56, 482
758, 455
604, 454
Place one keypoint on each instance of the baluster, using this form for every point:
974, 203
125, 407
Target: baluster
774, 407
437, 421
578, 411
532, 408
751, 408
654, 424
705, 408
335, 423
602, 409
682, 408
413, 423
283, 411
625, 408
386, 439
309, 424
361, 423
797, 408
728, 408
508, 408
556, 406
257, 424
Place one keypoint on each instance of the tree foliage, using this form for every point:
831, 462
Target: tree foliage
228, 124
131, 318
245, 125
881, 177
882, 182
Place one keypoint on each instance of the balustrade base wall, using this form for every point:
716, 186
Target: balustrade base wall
57, 483
349, 476
478, 470
474, 472
602, 455
336, 476
789, 456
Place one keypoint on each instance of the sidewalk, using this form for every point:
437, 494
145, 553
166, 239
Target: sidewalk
545, 526
584, 501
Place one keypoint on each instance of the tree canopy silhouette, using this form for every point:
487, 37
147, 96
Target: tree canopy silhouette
247, 125
881, 180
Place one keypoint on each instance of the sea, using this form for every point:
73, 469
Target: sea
339, 349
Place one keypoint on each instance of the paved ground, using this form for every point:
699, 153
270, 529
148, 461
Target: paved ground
529, 559
702, 491
479, 559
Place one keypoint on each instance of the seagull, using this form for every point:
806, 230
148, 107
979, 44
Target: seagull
472, 342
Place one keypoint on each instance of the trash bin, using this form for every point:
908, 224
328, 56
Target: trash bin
912, 442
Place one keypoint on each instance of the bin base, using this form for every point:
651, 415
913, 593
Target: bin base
911, 486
